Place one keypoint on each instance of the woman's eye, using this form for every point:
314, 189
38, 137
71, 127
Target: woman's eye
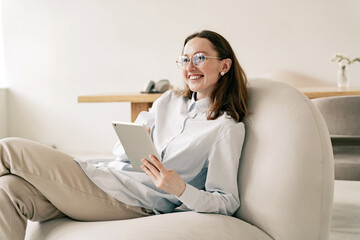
196, 59
202, 58
185, 60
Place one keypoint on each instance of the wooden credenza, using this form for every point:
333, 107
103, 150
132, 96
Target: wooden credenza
139, 101
142, 102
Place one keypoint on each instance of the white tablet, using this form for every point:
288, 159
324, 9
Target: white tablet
136, 141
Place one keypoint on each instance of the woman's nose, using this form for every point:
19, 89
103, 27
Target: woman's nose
190, 66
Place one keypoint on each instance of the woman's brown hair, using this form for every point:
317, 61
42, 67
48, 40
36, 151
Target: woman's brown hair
230, 93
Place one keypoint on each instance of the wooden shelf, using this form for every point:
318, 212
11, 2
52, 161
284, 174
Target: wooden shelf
143, 101
120, 97
319, 92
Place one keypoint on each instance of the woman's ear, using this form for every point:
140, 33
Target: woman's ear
226, 65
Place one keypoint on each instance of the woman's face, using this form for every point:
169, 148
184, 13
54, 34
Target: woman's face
202, 79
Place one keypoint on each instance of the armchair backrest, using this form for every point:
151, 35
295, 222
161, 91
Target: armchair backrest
286, 172
341, 114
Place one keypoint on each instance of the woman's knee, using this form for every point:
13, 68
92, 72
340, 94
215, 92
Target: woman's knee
17, 146
8, 145
12, 152
11, 141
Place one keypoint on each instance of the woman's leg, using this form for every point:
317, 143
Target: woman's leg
19, 202
54, 177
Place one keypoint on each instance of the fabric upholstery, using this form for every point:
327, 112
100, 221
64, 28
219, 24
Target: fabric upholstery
285, 182
286, 169
341, 113
342, 116
184, 225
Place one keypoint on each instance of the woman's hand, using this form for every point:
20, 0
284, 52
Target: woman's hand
167, 180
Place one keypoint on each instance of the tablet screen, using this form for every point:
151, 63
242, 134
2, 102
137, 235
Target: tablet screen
136, 141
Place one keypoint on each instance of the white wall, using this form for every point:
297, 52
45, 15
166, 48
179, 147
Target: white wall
58, 50
3, 84
3, 113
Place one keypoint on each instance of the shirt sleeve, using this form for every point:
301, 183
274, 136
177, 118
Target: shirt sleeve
221, 188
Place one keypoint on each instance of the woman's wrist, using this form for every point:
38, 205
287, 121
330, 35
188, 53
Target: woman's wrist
182, 190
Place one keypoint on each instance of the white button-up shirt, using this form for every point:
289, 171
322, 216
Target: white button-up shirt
205, 153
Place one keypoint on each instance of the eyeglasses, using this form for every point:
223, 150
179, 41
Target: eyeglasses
198, 60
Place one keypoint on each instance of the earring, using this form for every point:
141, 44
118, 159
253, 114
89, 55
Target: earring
222, 74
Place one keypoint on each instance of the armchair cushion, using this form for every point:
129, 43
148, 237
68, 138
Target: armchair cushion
181, 225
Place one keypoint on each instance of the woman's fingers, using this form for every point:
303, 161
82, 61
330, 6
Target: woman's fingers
153, 169
157, 163
148, 172
167, 180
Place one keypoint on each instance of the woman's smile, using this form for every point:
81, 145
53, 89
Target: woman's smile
195, 77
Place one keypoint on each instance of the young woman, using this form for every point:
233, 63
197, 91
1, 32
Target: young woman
198, 133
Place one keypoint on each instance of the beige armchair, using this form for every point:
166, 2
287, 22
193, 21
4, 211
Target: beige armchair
285, 182
342, 116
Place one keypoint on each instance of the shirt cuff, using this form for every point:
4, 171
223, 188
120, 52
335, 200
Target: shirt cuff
190, 196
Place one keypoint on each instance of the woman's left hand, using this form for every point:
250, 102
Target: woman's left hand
167, 180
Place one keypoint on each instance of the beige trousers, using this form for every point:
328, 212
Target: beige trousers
39, 183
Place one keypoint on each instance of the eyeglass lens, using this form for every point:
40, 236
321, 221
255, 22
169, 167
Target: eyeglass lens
197, 60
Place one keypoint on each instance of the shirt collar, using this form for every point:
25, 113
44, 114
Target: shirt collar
201, 105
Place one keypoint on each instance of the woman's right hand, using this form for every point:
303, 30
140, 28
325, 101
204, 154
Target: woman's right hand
164, 179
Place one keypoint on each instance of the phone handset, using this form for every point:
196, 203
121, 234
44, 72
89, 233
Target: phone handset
157, 87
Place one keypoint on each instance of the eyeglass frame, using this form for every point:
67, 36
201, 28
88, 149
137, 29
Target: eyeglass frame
192, 60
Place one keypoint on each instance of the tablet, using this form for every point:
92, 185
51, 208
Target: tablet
136, 141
